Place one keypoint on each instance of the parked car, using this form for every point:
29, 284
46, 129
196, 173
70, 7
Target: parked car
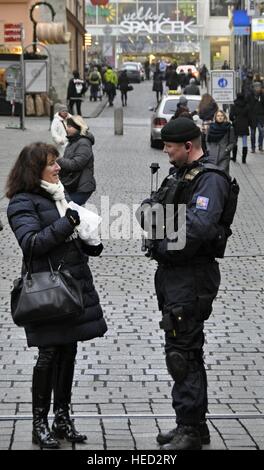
134, 72
164, 112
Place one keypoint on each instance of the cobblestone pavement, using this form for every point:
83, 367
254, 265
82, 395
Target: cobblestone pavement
124, 372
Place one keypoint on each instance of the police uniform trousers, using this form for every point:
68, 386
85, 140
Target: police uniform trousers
192, 287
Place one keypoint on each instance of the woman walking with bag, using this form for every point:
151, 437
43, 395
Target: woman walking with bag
47, 228
77, 163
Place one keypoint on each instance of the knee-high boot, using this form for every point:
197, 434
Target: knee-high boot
41, 397
234, 154
244, 154
63, 426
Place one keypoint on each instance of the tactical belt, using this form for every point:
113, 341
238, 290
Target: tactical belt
196, 260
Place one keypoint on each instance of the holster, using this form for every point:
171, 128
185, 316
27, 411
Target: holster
174, 320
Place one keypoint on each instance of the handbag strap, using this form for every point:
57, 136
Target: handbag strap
29, 264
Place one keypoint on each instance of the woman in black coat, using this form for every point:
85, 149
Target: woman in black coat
240, 117
157, 83
123, 83
77, 163
38, 209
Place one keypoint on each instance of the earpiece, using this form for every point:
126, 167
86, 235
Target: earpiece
187, 146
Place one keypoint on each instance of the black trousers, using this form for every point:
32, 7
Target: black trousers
78, 104
192, 288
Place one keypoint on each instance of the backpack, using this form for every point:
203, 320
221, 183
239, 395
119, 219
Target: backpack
229, 211
94, 76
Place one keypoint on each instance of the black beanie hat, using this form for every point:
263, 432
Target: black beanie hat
180, 130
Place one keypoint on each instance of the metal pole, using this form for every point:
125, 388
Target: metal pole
50, 75
22, 121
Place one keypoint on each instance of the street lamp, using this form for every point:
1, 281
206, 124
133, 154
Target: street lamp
36, 5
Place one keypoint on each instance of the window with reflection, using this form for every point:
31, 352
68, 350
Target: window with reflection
179, 11
218, 8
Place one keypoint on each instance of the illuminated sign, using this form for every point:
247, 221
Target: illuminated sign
147, 22
257, 29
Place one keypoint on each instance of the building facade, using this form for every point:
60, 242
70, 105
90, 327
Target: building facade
192, 30
64, 57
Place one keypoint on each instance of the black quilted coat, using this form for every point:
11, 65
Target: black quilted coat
30, 213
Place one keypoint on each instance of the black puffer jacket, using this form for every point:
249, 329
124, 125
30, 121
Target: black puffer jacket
30, 213
78, 158
240, 116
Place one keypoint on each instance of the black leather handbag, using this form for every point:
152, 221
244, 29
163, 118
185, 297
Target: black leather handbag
45, 297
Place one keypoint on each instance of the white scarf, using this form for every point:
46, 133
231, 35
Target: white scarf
88, 220
57, 192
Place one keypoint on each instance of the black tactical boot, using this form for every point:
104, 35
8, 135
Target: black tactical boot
166, 437
63, 427
234, 154
244, 154
41, 391
185, 438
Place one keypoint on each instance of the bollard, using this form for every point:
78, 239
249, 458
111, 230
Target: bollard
118, 118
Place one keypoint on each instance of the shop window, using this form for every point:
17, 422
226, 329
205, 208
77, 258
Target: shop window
179, 11
218, 8
126, 9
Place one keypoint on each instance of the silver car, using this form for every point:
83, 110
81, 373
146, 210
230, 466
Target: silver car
164, 112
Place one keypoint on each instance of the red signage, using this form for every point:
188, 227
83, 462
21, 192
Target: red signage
12, 32
99, 2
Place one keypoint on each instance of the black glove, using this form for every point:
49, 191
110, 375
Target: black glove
73, 217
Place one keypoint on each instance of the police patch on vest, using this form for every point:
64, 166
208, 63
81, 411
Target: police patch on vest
202, 203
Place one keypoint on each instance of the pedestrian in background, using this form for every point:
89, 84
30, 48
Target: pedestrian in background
77, 164
192, 88
110, 83
220, 141
58, 127
182, 108
203, 75
240, 117
206, 111
157, 83
76, 90
39, 211
123, 83
256, 108
95, 81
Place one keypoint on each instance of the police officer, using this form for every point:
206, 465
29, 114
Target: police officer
187, 279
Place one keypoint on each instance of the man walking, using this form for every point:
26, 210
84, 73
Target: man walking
187, 278
76, 90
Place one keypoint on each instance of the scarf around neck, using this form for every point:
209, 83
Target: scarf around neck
217, 131
57, 192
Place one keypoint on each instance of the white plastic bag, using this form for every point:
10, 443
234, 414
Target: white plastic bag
89, 224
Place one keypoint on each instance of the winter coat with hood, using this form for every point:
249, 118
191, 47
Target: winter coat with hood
58, 132
79, 158
36, 213
240, 116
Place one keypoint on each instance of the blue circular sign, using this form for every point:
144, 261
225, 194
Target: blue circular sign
222, 82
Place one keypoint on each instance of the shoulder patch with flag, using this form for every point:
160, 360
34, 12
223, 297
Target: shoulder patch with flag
202, 203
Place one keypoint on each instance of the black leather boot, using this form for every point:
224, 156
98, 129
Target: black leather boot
166, 437
63, 427
41, 392
244, 154
185, 438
